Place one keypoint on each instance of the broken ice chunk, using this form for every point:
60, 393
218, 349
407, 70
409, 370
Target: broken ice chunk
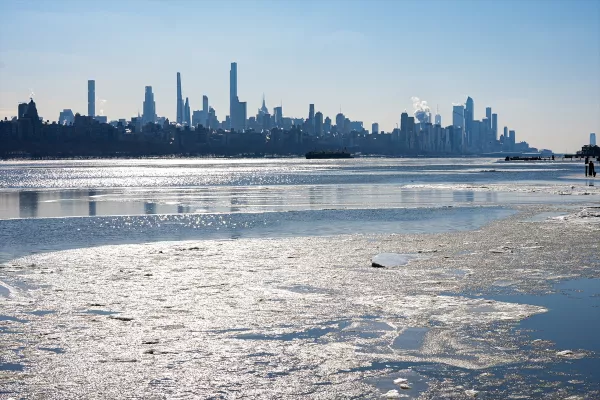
390, 260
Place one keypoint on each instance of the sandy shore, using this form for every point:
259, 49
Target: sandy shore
288, 318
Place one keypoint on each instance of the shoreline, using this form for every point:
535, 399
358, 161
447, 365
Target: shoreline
277, 156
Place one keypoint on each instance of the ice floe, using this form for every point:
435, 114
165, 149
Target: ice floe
390, 260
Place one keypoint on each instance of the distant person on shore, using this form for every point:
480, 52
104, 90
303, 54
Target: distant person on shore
591, 169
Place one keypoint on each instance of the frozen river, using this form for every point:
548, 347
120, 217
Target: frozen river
219, 278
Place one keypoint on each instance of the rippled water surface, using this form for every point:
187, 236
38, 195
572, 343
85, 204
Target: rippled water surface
141, 200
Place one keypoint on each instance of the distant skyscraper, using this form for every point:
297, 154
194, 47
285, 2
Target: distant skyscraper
187, 117
469, 115
488, 116
505, 133
149, 116
213, 122
495, 126
311, 118
92, 98
404, 122
592, 139
203, 119
263, 108
180, 110
476, 139
410, 125
339, 122
319, 123
485, 133
458, 116
458, 122
512, 138
470, 106
278, 113
438, 117
233, 96
205, 104
233, 81
374, 128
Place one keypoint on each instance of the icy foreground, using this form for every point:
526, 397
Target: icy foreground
286, 318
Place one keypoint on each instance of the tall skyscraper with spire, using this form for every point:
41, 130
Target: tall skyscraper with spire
263, 109
469, 114
91, 98
469, 117
179, 100
311, 118
187, 115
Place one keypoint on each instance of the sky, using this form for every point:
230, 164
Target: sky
536, 63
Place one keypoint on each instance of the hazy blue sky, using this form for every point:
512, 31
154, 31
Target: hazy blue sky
537, 63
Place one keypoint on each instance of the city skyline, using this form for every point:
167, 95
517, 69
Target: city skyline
473, 136
370, 72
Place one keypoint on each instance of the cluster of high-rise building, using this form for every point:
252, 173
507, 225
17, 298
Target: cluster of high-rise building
418, 133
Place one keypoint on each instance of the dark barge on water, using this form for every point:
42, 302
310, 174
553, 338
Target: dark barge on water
327, 154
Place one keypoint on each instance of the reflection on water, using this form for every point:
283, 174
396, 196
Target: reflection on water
149, 208
70, 232
28, 204
153, 201
42, 189
91, 203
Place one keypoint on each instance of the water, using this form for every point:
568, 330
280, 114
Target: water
573, 319
410, 339
286, 307
73, 204
183, 173
68, 232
